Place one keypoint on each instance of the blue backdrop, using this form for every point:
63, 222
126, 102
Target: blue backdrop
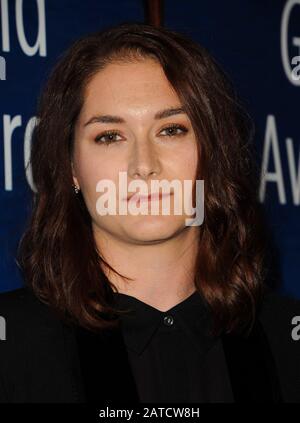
256, 41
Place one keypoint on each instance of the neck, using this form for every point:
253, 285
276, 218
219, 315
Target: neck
162, 273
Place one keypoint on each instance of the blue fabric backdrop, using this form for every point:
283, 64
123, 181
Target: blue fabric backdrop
255, 42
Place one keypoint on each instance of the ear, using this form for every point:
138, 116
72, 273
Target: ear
75, 180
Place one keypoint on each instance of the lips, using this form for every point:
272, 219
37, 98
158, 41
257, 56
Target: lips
151, 197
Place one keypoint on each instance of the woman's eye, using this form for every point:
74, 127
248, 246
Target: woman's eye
172, 130
108, 137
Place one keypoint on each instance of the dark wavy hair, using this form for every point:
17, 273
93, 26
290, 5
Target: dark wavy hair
57, 253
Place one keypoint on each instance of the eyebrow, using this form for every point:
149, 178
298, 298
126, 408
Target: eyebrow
118, 119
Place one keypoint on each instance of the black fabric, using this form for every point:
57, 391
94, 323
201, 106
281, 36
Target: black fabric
171, 354
43, 360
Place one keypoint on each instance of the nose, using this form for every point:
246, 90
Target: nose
144, 161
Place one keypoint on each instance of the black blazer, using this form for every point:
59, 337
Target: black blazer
45, 360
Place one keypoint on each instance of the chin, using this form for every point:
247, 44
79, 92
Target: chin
152, 228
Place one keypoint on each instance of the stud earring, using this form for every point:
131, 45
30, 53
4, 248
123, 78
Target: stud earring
76, 189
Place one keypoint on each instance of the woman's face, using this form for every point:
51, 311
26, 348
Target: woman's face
141, 147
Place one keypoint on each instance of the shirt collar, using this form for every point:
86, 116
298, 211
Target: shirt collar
142, 320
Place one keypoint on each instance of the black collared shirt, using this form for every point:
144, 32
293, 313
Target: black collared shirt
172, 357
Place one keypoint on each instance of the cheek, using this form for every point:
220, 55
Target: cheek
89, 174
186, 159
90, 171
187, 166
93, 166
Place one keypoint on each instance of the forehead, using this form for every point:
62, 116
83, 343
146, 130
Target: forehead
131, 84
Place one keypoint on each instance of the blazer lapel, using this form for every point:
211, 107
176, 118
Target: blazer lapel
105, 368
251, 367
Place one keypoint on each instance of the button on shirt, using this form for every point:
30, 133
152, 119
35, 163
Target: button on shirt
172, 357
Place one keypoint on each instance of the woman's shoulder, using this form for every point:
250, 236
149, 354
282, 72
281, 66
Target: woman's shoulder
22, 307
17, 300
36, 352
26, 323
280, 313
280, 318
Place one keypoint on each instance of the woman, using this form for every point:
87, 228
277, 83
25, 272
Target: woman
133, 306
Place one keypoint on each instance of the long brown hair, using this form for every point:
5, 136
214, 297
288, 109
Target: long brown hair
58, 254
